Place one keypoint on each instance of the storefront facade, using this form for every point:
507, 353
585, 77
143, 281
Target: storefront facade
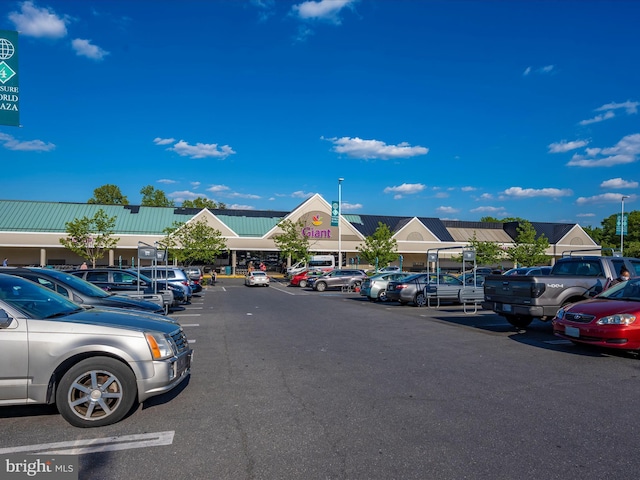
30, 233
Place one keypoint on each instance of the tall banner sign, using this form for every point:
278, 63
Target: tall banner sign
9, 91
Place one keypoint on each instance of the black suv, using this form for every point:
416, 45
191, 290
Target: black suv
342, 279
125, 281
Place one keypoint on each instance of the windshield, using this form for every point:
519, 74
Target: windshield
33, 300
629, 290
82, 286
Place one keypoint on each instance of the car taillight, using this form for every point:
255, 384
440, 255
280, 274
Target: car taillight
401, 286
537, 289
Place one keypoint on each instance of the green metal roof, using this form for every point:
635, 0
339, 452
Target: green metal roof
32, 216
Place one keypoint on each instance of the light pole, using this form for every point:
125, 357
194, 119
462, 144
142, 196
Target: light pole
340, 180
622, 225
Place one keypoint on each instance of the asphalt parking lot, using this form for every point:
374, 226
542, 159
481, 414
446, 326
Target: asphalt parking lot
293, 384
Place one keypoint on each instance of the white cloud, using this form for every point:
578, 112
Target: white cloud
195, 184
84, 48
202, 150
547, 69
447, 210
580, 215
405, 189
182, 195
38, 22
564, 146
468, 189
597, 118
368, 149
603, 198
218, 188
301, 194
518, 192
265, 8
625, 151
629, 107
166, 181
236, 206
243, 195
10, 143
618, 183
328, 10
163, 141
486, 196
351, 206
488, 209
442, 195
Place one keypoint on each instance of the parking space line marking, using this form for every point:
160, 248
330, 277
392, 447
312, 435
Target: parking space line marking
108, 444
186, 315
190, 324
283, 291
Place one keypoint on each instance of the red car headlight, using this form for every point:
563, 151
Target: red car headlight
620, 319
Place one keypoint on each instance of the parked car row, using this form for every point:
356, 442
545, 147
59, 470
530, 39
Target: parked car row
62, 342
611, 319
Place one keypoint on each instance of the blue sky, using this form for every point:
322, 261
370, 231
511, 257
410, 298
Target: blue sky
449, 109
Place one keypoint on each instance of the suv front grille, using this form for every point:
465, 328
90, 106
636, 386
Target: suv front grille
180, 340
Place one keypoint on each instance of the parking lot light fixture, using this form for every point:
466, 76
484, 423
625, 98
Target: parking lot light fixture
340, 180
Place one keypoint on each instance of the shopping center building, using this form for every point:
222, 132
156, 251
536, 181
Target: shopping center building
30, 233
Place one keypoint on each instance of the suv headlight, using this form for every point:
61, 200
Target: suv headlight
160, 345
620, 319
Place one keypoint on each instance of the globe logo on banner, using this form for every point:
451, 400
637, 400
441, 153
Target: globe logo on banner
6, 49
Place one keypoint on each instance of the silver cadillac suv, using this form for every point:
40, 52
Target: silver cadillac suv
94, 364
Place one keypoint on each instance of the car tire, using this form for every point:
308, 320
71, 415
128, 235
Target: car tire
321, 286
382, 296
420, 300
519, 321
303, 283
112, 385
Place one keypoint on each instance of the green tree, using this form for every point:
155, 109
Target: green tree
90, 237
194, 242
487, 253
108, 195
609, 239
380, 246
527, 249
203, 202
291, 242
152, 197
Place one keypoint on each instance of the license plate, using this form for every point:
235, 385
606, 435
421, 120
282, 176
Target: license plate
506, 308
184, 362
572, 332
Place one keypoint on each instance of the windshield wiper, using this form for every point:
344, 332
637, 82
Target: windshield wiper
64, 313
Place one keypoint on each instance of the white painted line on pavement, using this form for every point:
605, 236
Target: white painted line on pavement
190, 324
108, 444
281, 290
180, 315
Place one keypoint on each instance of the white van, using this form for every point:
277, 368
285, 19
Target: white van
316, 262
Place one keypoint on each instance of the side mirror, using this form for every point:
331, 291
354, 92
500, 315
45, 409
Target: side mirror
5, 319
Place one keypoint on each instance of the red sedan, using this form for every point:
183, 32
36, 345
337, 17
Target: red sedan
611, 320
300, 280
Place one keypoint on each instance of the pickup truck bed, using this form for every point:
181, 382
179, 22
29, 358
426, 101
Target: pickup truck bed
521, 298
